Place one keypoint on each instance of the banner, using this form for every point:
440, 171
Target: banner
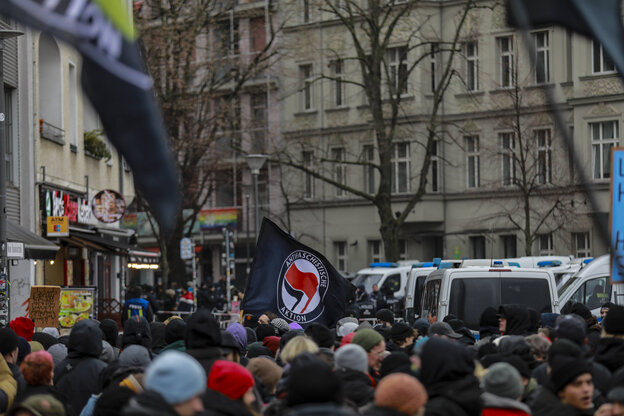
115, 82
294, 281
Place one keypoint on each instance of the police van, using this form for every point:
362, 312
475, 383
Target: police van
466, 292
389, 278
591, 286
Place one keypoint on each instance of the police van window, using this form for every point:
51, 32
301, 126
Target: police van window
470, 296
391, 284
597, 292
431, 295
534, 293
418, 291
579, 295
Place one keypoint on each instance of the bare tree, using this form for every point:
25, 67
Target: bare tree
373, 28
191, 48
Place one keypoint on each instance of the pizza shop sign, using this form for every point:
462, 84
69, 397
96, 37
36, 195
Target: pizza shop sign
61, 203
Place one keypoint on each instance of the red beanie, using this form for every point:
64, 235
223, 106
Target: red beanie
272, 343
23, 327
230, 379
347, 339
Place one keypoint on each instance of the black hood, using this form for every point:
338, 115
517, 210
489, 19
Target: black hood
464, 393
85, 339
202, 330
610, 353
157, 330
137, 331
444, 361
110, 330
518, 319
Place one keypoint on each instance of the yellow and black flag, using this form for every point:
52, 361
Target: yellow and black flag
115, 81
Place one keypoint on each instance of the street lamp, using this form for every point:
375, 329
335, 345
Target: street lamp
4, 34
246, 193
255, 163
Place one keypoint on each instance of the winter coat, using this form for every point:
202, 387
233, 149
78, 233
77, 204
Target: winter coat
610, 353
8, 386
178, 346
518, 319
148, 403
600, 375
18, 376
447, 372
547, 403
356, 386
502, 406
79, 373
137, 331
205, 356
44, 389
217, 404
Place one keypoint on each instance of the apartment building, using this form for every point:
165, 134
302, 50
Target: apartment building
497, 153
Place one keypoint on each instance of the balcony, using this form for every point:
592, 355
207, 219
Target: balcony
51, 132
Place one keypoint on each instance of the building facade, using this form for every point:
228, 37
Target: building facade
498, 152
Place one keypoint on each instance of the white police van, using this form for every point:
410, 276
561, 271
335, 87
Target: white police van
466, 292
591, 286
389, 277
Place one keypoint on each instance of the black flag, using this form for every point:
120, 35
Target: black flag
294, 281
115, 82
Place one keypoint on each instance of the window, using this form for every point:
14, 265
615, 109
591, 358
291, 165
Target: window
477, 247
604, 136
258, 121
472, 66
397, 69
73, 106
257, 33
542, 57
431, 298
508, 145
544, 156
375, 251
306, 9
401, 168
369, 171
227, 38
435, 167
581, 245
433, 66
305, 72
602, 62
472, 161
338, 82
340, 170
9, 127
402, 249
340, 250
308, 179
545, 244
391, 284
593, 293
506, 61
510, 248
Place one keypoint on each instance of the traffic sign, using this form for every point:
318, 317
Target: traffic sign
186, 249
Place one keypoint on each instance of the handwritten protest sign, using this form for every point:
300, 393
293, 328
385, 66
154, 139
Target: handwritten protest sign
45, 305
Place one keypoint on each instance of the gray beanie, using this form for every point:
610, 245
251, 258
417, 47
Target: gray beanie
503, 380
58, 353
135, 356
347, 328
351, 357
108, 354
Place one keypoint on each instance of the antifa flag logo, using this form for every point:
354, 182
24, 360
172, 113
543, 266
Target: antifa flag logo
301, 287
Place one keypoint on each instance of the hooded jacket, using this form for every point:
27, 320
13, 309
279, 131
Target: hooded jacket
78, 374
217, 404
148, 403
447, 372
203, 338
610, 353
356, 386
518, 319
157, 330
137, 331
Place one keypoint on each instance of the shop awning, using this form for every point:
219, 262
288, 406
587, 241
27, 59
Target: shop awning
136, 254
35, 246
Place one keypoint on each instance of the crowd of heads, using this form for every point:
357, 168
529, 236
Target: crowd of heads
519, 363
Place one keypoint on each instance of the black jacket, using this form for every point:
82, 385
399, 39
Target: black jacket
610, 353
217, 404
43, 389
77, 376
356, 386
457, 398
547, 403
518, 319
149, 403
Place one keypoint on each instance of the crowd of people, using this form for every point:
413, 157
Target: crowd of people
520, 364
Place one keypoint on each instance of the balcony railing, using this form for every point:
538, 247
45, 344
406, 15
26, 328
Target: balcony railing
51, 132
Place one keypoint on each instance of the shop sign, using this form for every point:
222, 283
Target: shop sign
57, 203
76, 305
108, 206
15, 250
210, 219
57, 226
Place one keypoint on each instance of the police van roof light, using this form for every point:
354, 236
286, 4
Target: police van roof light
497, 263
437, 261
588, 260
548, 263
445, 265
514, 264
384, 264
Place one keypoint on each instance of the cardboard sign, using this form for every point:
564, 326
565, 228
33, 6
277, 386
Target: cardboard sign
57, 227
45, 305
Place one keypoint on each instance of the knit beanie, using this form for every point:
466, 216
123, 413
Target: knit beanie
312, 382
548, 319
137, 331
422, 325
240, 335
347, 339
571, 327
503, 380
110, 330
251, 335
35, 346
402, 393
367, 338
256, 349
385, 315
396, 362
346, 328
281, 325
24, 349
230, 378
46, 340
351, 357
23, 327
39, 405
50, 330
58, 352
581, 310
400, 331
108, 355
271, 343
8, 340
174, 331
320, 334
285, 339
176, 376
265, 330
295, 326
564, 370
266, 371
613, 323
135, 356
37, 368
